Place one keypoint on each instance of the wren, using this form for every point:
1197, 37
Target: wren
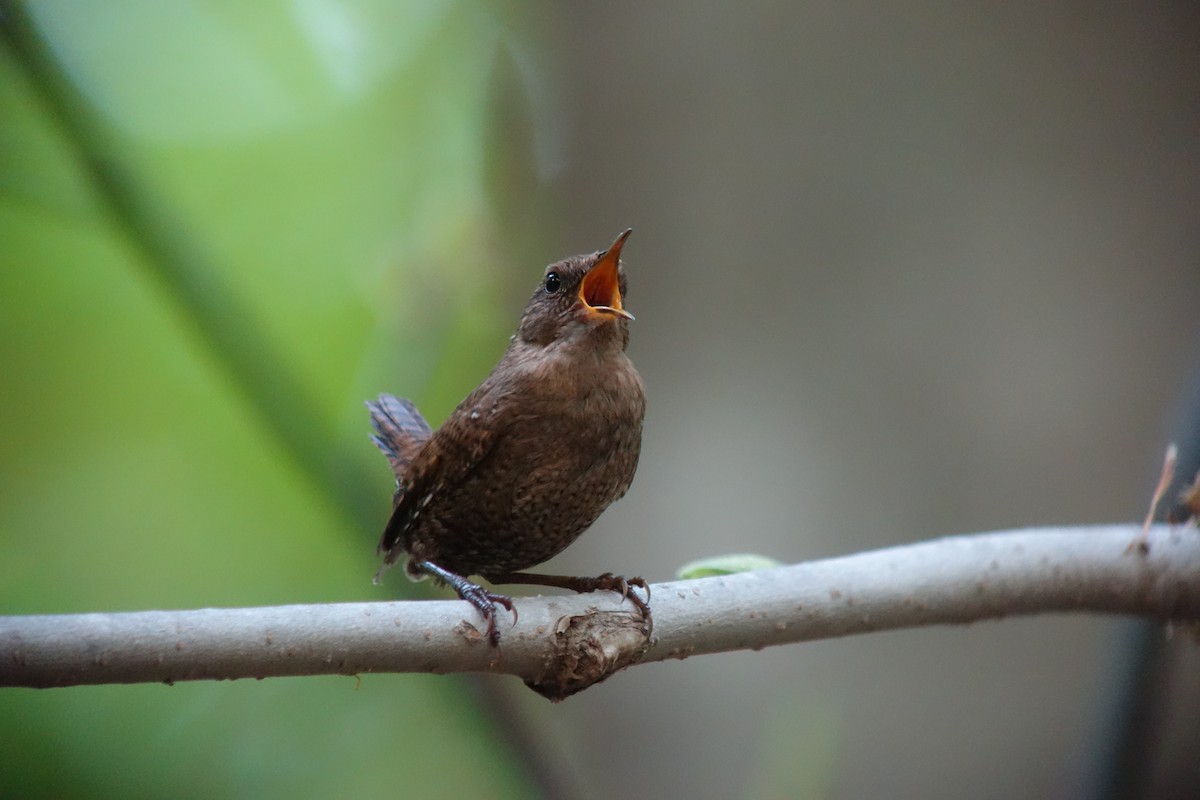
530, 459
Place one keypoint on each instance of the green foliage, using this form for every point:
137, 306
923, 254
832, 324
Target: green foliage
725, 565
221, 228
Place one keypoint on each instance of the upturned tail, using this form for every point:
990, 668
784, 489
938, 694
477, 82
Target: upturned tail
400, 430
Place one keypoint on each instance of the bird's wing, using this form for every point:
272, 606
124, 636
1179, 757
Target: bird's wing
453, 452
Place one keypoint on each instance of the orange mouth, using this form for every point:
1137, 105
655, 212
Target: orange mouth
600, 289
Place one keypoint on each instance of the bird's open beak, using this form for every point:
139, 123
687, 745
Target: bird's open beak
600, 289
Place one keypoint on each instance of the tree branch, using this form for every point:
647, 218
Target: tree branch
564, 644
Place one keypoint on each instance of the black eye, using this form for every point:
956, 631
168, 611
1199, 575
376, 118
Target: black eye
553, 283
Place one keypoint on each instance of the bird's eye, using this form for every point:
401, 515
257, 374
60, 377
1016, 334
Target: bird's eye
553, 283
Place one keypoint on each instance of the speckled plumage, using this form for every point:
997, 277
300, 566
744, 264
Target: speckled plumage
531, 458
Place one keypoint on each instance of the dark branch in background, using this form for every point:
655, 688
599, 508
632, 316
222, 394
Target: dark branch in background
1136, 694
564, 644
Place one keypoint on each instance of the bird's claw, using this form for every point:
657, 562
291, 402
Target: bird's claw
608, 582
485, 603
621, 585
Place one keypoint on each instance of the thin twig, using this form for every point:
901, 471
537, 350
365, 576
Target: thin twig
1164, 482
563, 644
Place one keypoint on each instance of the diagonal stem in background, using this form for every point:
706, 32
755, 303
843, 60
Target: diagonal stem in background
227, 327
282, 404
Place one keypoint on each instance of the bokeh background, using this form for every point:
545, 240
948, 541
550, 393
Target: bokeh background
900, 271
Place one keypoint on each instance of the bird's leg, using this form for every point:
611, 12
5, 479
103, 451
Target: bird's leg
484, 601
606, 582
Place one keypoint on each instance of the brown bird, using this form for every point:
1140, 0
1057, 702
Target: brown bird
531, 458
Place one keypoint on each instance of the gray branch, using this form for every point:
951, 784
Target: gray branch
563, 644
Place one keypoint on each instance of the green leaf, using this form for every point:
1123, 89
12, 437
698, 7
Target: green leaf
726, 565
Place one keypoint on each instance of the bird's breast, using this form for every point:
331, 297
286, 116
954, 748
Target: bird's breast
564, 440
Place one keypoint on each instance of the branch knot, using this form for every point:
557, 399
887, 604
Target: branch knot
588, 648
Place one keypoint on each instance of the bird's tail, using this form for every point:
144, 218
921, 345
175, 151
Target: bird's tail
400, 430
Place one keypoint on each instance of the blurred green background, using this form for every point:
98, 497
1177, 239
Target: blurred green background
223, 226
898, 271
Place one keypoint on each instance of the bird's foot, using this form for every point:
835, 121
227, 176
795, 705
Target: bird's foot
607, 582
485, 602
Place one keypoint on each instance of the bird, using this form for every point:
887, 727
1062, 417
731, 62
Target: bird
529, 459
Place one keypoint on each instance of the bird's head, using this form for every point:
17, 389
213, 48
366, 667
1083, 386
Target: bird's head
578, 297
